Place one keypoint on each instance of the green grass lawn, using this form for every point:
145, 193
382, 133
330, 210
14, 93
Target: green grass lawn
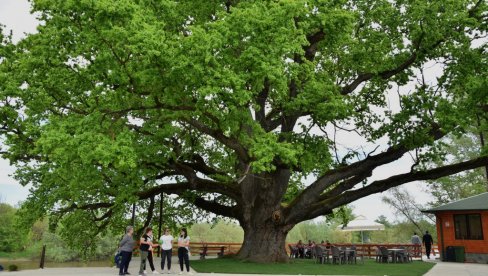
308, 267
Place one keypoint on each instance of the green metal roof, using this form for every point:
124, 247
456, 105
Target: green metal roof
477, 202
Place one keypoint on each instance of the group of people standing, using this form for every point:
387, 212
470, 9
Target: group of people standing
146, 246
427, 241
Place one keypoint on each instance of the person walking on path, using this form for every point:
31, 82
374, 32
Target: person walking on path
417, 244
416, 239
183, 249
144, 245
126, 246
427, 240
166, 242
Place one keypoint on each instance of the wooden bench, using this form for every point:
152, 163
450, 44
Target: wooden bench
206, 250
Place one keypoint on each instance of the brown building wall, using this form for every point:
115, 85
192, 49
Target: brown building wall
445, 222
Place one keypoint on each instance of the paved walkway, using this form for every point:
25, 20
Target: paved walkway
458, 269
97, 271
440, 269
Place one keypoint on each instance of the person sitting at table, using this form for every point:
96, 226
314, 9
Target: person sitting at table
309, 249
327, 244
301, 249
312, 249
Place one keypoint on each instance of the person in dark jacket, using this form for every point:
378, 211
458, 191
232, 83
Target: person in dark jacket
427, 240
126, 246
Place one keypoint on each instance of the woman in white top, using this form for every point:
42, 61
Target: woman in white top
183, 248
166, 242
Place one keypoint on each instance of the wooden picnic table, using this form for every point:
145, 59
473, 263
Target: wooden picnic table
394, 252
209, 249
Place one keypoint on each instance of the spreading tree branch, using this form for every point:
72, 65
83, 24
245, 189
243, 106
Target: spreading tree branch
220, 136
201, 185
150, 214
260, 114
90, 206
289, 120
352, 174
216, 208
379, 186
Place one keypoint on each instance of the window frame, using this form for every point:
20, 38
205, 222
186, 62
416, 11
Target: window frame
465, 219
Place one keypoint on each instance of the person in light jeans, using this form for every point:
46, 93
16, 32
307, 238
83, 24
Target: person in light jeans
166, 242
145, 243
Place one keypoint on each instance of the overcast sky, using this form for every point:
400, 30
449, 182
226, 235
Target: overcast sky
15, 15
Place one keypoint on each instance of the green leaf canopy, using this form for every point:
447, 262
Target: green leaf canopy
233, 105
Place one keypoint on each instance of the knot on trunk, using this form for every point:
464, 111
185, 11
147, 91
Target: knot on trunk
277, 217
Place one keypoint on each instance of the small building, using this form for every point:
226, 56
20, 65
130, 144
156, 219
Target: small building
463, 226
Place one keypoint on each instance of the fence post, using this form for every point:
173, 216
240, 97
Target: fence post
43, 256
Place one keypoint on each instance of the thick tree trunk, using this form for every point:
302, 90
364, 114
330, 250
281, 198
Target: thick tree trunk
262, 217
266, 244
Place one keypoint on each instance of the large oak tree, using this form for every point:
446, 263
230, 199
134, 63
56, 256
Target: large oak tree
233, 105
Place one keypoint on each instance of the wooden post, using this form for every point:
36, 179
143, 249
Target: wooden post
160, 220
134, 215
43, 256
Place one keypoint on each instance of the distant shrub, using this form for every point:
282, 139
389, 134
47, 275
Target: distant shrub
13, 267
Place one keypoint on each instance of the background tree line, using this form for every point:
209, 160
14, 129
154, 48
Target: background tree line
27, 243
16, 241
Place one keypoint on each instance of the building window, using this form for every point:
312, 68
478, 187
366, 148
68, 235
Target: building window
468, 227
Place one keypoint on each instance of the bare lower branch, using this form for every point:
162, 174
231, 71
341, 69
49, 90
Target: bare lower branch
105, 216
356, 172
216, 208
201, 185
394, 181
90, 206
